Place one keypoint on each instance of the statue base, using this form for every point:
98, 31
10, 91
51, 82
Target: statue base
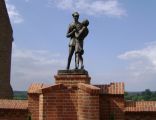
71, 78
73, 72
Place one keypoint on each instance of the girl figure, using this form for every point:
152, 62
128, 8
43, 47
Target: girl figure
80, 35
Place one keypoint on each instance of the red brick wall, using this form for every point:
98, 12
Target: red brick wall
88, 102
59, 105
88, 106
13, 114
59, 102
112, 106
104, 107
140, 116
33, 106
84, 102
117, 105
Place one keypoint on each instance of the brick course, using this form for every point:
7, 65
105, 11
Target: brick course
140, 116
72, 80
13, 109
9, 114
140, 106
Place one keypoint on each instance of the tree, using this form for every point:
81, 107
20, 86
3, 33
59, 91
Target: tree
147, 94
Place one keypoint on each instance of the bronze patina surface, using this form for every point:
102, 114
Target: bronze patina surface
77, 31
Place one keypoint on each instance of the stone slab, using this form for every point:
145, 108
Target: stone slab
73, 72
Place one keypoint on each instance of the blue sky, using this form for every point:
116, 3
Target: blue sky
120, 47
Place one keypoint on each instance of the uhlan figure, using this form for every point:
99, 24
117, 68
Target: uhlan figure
77, 32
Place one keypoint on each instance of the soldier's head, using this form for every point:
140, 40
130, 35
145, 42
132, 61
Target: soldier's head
85, 22
75, 16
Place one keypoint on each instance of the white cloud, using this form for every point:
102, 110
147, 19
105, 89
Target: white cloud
13, 13
141, 70
91, 7
144, 56
30, 66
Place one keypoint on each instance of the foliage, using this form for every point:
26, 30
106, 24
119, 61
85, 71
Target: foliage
146, 95
20, 95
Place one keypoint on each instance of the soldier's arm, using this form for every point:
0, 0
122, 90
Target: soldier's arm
70, 32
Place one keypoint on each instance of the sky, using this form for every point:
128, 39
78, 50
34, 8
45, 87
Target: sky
120, 46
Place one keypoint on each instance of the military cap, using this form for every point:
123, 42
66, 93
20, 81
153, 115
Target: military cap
75, 14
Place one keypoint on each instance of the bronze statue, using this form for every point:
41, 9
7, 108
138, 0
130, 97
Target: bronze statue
76, 32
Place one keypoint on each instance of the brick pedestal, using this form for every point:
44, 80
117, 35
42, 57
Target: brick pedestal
71, 98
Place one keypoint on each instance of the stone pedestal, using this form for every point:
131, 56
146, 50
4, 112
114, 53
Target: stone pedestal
71, 78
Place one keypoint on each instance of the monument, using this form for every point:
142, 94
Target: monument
72, 97
77, 31
6, 39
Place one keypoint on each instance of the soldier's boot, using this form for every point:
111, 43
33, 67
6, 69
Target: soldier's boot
68, 65
82, 67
